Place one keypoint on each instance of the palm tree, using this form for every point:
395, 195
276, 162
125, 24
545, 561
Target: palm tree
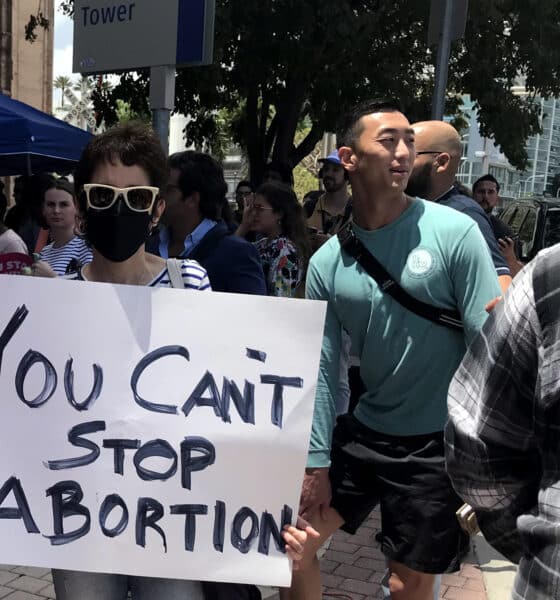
62, 83
84, 86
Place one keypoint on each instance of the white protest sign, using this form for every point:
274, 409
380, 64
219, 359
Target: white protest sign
154, 432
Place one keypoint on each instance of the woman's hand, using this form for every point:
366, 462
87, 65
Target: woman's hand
39, 268
295, 538
248, 217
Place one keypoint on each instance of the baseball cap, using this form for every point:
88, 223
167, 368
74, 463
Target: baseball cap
332, 158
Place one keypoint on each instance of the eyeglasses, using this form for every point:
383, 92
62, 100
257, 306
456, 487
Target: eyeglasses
259, 207
429, 152
139, 198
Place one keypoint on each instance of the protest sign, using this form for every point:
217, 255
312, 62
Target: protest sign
154, 432
13, 262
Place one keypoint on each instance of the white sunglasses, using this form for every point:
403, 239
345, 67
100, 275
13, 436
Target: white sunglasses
139, 198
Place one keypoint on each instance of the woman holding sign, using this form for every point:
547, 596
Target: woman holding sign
117, 180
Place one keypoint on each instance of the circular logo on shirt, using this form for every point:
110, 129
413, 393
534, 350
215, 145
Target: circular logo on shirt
420, 263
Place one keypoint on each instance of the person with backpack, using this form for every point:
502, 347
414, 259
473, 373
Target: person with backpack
328, 212
409, 281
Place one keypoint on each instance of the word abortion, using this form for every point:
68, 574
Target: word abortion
67, 497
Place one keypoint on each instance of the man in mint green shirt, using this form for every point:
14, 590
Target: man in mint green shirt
390, 450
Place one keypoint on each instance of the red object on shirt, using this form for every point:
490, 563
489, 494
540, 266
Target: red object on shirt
13, 263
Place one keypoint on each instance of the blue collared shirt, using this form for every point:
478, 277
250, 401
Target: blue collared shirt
191, 240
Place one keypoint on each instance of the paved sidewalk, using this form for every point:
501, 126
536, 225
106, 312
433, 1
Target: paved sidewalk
352, 570
25, 583
353, 567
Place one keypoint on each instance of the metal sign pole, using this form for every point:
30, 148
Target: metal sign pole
444, 51
162, 101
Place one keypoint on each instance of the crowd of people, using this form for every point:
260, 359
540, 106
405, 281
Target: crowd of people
412, 267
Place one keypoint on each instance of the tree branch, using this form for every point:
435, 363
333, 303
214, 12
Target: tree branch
307, 144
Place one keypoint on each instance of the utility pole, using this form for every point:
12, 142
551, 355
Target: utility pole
162, 101
443, 53
447, 23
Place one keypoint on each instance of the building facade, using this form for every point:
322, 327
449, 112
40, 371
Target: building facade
481, 155
26, 69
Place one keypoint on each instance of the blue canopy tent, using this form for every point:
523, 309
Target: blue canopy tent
32, 141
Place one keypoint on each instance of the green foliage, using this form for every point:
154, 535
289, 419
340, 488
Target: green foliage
125, 113
304, 181
279, 62
35, 21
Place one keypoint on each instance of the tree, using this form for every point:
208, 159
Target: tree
62, 83
125, 113
278, 62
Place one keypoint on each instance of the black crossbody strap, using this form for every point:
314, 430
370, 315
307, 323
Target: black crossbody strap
352, 245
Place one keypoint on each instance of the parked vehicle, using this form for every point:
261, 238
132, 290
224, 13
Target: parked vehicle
535, 222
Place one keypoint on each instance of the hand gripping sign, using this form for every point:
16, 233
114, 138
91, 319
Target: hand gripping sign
153, 432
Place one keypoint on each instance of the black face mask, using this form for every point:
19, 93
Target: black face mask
117, 236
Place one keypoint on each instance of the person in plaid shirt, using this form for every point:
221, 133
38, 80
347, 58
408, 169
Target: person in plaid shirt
503, 434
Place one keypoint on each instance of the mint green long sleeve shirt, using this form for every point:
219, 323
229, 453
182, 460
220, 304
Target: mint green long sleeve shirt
437, 255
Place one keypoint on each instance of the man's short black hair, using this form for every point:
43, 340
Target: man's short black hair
349, 129
199, 172
488, 177
244, 183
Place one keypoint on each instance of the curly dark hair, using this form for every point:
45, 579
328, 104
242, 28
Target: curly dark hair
132, 143
284, 202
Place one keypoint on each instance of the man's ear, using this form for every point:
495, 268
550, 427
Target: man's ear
158, 210
193, 199
347, 158
442, 162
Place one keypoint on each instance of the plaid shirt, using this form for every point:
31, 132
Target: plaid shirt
503, 434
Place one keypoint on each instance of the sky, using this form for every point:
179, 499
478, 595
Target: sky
63, 32
63, 44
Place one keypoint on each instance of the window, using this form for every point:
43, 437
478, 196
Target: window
508, 213
518, 218
551, 227
527, 232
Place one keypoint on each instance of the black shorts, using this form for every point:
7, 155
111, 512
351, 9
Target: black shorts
407, 477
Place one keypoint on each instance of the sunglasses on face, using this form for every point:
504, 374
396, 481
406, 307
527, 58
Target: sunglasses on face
260, 207
139, 198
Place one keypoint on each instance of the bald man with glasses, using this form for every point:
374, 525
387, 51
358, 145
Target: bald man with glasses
438, 156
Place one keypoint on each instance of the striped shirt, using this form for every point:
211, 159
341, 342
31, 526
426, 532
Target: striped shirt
194, 277
59, 258
503, 434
